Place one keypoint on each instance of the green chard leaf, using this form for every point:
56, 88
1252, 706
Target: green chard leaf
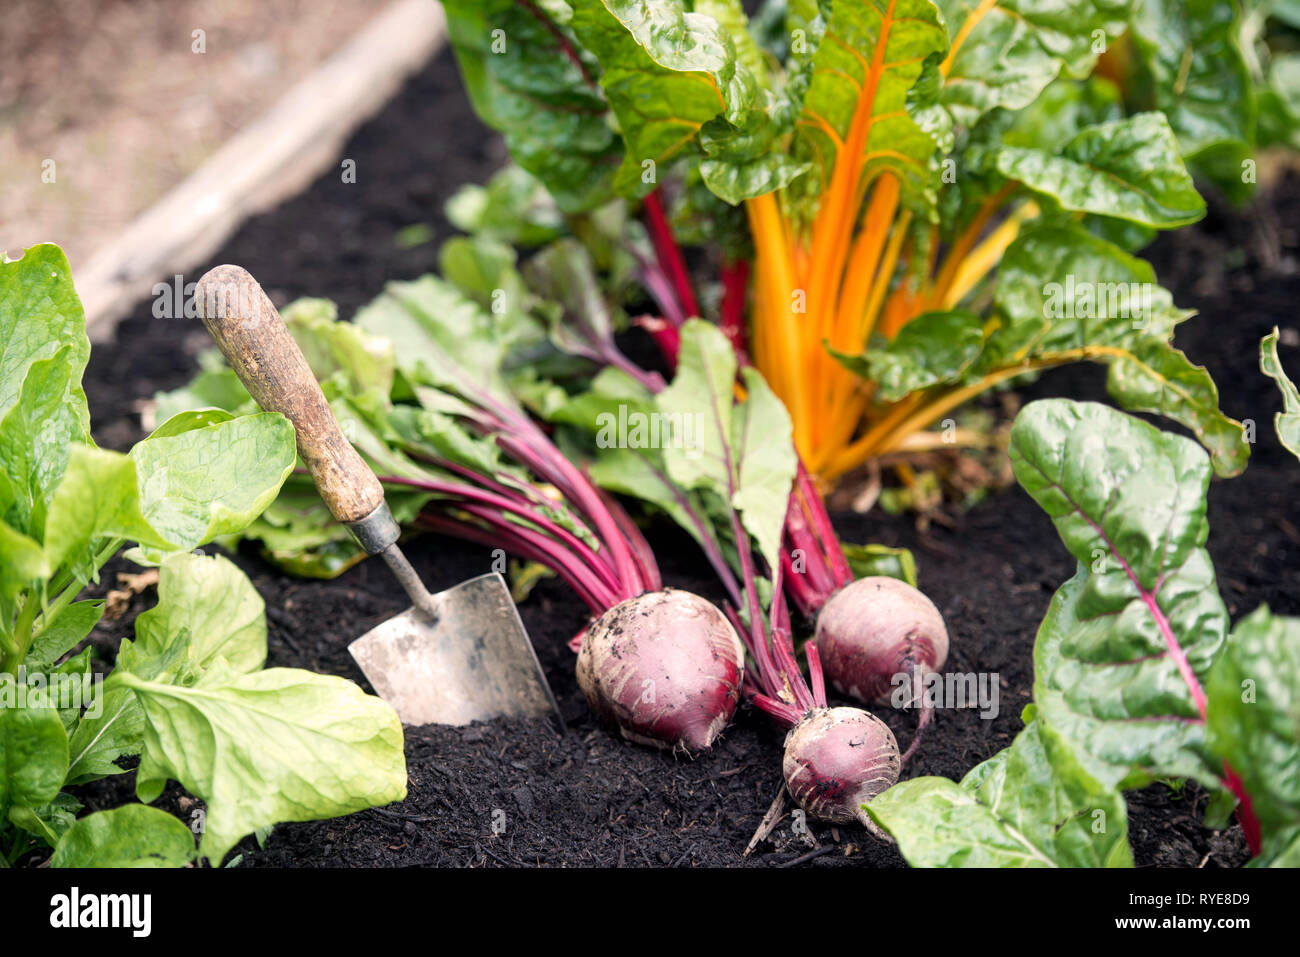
276, 745
933, 349
1122, 653
1033, 804
1064, 295
1287, 422
1128, 169
666, 73
530, 80
133, 835
1254, 720
1192, 67
1012, 49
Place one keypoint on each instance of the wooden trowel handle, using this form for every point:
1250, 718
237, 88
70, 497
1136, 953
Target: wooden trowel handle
257, 344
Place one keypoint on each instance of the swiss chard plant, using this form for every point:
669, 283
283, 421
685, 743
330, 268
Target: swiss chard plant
1227, 76
1138, 673
188, 695
911, 202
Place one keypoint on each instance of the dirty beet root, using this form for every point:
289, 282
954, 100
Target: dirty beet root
514, 792
665, 668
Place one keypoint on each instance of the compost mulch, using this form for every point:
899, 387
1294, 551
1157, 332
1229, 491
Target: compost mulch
515, 793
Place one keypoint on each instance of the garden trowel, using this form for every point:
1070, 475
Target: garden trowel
458, 656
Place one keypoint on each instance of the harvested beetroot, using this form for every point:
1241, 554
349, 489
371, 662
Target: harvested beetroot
666, 667
838, 759
877, 635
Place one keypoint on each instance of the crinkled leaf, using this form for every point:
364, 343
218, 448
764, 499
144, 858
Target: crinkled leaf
33, 750
35, 436
1254, 719
276, 745
1033, 804
133, 835
932, 349
1193, 70
212, 600
529, 80
666, 72
40, 315
1287, 422
740, 452
1121, 654
1129, 169
1153, 376
214, 479
1012, 49
1065, 295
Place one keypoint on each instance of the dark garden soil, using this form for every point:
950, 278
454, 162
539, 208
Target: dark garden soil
588, 798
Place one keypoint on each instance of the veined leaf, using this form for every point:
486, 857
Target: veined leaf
1287, 422
133, 835
276, 745
1191, 61
215, 604
530, 80
98, 498
869, 57
933, 349
1010, 50
666, 72
56, 638
213, 480
1033, 804
35, 436
40, 315
1064, 295
33, 751
742, 453
1254, 720
1128, 169
115, 729
1121, 655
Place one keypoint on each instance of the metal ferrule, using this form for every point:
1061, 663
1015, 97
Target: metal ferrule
376, 531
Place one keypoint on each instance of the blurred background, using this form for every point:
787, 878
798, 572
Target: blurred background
127, 100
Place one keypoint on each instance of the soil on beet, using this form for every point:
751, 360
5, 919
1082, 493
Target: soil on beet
516, 792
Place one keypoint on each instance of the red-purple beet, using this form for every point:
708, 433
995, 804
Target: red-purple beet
874, 629
836, 760
666, 667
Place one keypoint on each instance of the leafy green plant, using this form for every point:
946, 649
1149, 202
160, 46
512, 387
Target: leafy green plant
1227, 76
1137, 674
1287, 422
872, 166
188, 694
